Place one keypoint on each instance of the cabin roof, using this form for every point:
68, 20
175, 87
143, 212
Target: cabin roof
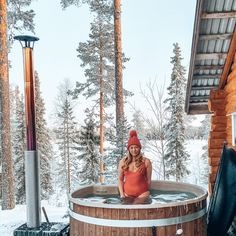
213, 47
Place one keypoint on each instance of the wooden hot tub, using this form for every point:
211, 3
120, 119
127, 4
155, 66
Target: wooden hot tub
162, 219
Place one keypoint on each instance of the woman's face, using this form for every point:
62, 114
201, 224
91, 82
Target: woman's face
134, 150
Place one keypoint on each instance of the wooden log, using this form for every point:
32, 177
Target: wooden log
232, 75
220, 112
212, 178
215, 143
231, 107
218, 119
213, 169
230, 97
218, 134
218, 127
215, 105
214, 152
233, 67
217, 94
213, 161
230, 87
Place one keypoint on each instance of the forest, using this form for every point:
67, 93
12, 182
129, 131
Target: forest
74, 153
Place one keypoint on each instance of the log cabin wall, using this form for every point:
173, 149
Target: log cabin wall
230, 92
218, 132
222, 103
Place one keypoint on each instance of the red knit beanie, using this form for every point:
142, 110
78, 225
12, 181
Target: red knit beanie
133, 140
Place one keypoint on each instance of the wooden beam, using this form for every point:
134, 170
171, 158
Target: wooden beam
215, 36
204, 87
197, 20
228, 62
208, 67
197, 98
216, 76
210, 56
218, 15
198, 109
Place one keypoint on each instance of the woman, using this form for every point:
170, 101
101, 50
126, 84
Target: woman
134, 171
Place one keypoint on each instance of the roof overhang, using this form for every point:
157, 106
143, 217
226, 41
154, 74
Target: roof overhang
213, 49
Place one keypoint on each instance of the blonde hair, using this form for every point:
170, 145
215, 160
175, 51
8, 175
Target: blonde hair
128, 160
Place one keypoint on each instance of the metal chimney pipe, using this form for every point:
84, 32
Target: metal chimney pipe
32, 170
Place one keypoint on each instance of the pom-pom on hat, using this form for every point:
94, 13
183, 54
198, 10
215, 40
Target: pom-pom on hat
133, 140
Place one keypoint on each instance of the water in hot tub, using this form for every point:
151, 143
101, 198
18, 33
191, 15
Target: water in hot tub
156, 196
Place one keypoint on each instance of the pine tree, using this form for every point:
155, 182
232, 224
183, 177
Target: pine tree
205, 127
119, 147
11, 14
67, 3
98, 58
8, 200
176, 154
139, 125
88, 147
43, 142
97, 55
66, 137
118, 74
19, 146
204, 172
205, 131
19, 17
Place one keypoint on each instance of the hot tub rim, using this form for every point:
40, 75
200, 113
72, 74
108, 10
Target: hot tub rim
197, 199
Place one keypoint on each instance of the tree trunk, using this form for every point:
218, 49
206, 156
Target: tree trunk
101, 119
8, 199
118, 77
68, 149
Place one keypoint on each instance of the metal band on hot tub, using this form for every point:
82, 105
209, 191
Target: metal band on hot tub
137, 223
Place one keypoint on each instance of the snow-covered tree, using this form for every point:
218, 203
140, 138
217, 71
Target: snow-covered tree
19, 17
19, 145
66, 138
8, 200
204, 172
43, 142
155, 121
11, 14
120, 117
97, 55
98, 58
205, 131
176, 155
120, 147
205, 127
88, 145
67, 3
138, 123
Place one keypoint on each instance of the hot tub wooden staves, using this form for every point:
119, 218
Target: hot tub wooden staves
99, 219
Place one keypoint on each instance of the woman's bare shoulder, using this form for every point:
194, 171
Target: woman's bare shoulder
147, 161
122, 161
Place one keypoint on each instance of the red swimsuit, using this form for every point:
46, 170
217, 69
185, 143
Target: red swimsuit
136, 182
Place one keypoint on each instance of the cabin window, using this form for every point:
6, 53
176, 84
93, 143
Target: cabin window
233, 116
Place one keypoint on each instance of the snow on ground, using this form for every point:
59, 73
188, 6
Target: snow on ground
12, 219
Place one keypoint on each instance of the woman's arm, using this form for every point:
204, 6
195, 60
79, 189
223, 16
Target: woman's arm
149, 171
121, 179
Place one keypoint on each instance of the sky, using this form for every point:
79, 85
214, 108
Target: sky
149, 29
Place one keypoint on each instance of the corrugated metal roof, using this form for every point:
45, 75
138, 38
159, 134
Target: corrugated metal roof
214, 26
